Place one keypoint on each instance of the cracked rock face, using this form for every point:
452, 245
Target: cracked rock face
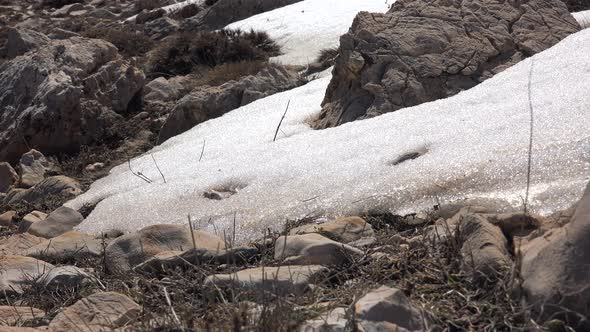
420, 52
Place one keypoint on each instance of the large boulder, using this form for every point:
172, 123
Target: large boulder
224, 12
208, 102
50, 97
130, 250
555, 272
416, 53
312, 248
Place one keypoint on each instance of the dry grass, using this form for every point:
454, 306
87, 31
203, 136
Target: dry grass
127, 41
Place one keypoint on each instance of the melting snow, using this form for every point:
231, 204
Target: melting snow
305, 28
583, 18
475, 145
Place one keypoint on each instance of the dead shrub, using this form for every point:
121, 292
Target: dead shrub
230, 72
188, 51
129, 43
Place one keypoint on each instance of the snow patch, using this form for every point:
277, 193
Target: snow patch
583, 18
171, 8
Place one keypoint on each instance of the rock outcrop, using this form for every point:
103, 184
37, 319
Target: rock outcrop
54, 97
420, 52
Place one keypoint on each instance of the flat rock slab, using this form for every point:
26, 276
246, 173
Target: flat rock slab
290, 279
16, 272
66, 246
61, 186
64, 277
312, 248
98, 312
344, 230
18, 244
12, 315
57, 223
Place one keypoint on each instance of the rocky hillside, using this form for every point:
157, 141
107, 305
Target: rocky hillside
294, 165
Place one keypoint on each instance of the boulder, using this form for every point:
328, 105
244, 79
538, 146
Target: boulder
344, 230
162, 89
64, 278
57, 223
224, 12
8, 177
30, 219
555, 269
208, 102
161, 28
13, 315
33, 165
17, 272
388, 309
20, 41
310, 249
415, 54
130, 250
66, 246
281, 280
18, 244
97, 312
51, 95
58, 186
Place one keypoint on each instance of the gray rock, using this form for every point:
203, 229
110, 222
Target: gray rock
388, 309
130, 250
7, 219
60, 186
30, 219
161, 28
310, 249
33, 166
19, 272
57, 223
343, 230
555, 266
208, 102
58, 33
20, 41
8, 177
415, 54
97, 312
64, 278
68, 246
283, 280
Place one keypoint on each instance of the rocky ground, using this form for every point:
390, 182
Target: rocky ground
88, 85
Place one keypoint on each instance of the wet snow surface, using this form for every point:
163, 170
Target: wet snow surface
471, 145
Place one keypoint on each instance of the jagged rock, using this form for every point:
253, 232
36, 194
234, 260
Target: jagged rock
57, 223
7, 218
59, 186
343, 230
8, 177
20, 41
130, 250
52, 95
162, 89
484, 249
172, 259
64, 277
151, 15
415, 53
18, 272
312, 248
97, 312
291, 279
224, 12
12, 315
334, 320
58, 33
161, 28
388, 309
555, 266
208, 102
18, 243
67, 246
33, 166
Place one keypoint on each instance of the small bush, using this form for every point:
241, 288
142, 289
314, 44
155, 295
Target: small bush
186, 52
129, 43
230, 72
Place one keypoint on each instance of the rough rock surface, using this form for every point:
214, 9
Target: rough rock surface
19, 243
343, 230
208, 102
224, 12
20, 41
97, 312
12, 315
130, 250
555, 266
32, 167
51, 97
8, 177
17, 272
58, 222
64, 277
67, 246
30, 219
60, 185
309, 249
291, 279
420, 52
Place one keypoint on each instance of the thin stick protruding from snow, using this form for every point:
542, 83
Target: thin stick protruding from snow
159, 170
138, 174
281, 122
190, 226
530, 151
202, 150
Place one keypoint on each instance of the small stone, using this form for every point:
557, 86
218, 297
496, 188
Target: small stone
30, 219
7, 218
33, 166
313, 249
58, 222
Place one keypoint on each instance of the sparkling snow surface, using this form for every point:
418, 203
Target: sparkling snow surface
305, 28
583, 18
476, 145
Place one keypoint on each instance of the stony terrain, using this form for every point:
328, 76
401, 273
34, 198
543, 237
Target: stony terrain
88, 85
